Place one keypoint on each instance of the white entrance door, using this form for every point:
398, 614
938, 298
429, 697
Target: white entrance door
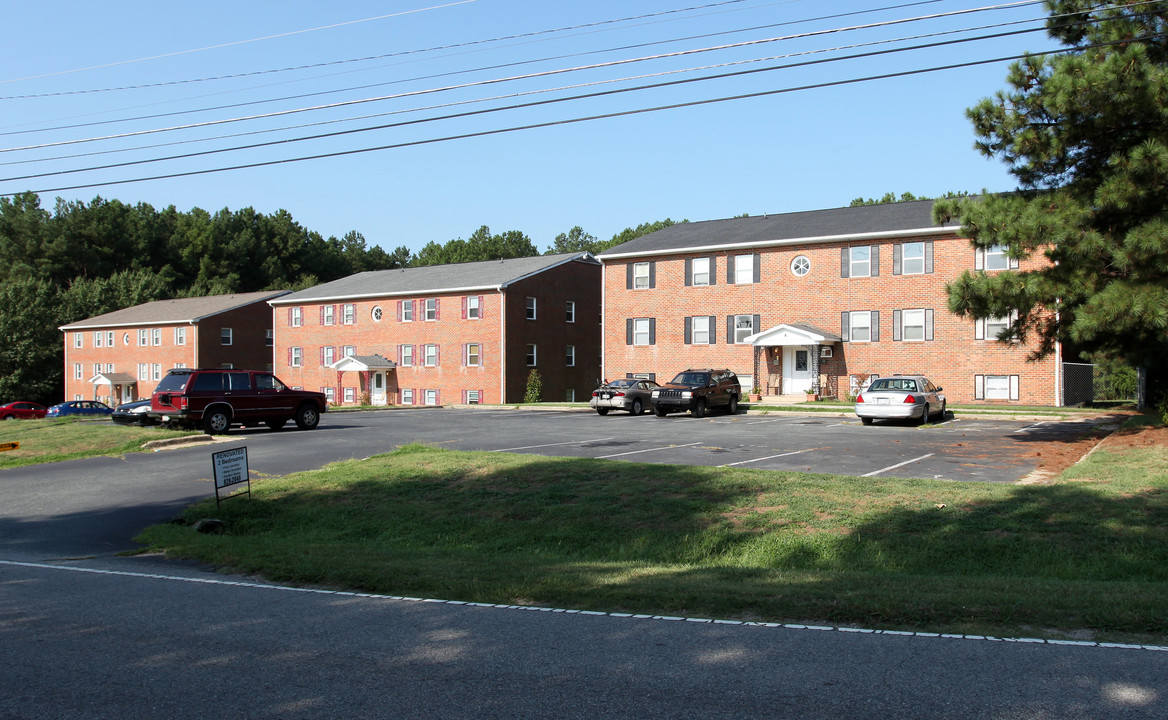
377, 397
796, 370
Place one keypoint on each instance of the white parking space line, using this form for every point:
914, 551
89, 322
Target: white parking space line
1030, 427
769, 457
634, 452
893, 467
533, 447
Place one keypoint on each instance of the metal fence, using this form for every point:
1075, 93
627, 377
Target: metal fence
1086, 383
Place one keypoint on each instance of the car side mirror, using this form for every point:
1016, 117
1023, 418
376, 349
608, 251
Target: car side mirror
939, 388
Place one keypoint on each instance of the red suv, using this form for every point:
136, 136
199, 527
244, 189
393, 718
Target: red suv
216, 399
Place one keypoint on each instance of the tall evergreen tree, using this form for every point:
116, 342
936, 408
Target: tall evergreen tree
1085, 132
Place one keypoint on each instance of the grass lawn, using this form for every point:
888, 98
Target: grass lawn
1086, 554
44, 441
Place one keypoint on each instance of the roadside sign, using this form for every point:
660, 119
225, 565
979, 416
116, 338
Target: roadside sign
230, 469
9, 446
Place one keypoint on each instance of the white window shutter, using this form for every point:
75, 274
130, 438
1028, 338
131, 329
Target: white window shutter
1014, 389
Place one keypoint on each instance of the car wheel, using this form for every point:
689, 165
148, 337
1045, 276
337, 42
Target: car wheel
943, 403
866, 421
660, 412
732, 408
699, 408
7, 417
307, 417
275, 424
216, 422
601, 411
925, 415
638, 408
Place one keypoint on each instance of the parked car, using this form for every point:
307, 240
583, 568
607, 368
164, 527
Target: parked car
134, 413
21, 410
214, 400
631, 394
84, 408
903, 397
697, 391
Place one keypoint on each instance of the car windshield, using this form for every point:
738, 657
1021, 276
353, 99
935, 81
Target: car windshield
692, 378
903, 384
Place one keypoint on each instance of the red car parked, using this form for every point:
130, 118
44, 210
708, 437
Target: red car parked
22, 410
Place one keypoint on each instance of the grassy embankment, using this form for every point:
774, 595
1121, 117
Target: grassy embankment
44, 441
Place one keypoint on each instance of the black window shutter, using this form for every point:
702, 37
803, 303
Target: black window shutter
629, 276
688, 272
652, 275
729, 329
713, 273
757, 270
875, 326
729, 269
845, 329
844, 262
929, 256
897, 252
689, 329
875, 261
713, 326
896, 318
652, 331
757, 321
629, 331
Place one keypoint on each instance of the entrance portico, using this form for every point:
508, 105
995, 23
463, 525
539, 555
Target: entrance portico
122, 387
787, 358
373, 373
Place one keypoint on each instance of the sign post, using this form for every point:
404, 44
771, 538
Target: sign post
230, 469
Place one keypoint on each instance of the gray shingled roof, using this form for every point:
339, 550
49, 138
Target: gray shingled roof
487, 275
839, 223
181, 310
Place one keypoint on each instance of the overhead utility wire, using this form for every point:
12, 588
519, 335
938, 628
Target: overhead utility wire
234, 43
570, 121
536, 92
389, 55
547, 73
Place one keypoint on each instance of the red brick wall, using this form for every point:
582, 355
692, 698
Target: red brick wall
124, 356
951, 359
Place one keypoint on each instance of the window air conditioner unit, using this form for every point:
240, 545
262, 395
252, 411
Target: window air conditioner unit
824, 351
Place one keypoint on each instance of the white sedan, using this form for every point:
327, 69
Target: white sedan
900, 397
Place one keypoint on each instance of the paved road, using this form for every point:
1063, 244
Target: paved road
87, 634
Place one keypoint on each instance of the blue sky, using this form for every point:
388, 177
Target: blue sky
104, 83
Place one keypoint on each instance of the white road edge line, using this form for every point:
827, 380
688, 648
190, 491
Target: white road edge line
768, 457
532, 447
634, 452
893, 467
592, 613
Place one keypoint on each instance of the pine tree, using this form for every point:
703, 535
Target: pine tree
1085, 132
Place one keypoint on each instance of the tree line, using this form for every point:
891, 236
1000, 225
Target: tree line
85, 259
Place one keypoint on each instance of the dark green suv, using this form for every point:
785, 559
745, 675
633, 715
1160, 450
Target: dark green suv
697, 391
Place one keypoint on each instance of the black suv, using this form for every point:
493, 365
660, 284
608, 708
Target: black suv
216, 399
697, 391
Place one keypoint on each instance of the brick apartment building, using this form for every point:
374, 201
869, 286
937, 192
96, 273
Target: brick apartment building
120, 356
446, 334
814, 302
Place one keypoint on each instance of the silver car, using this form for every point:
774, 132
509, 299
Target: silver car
628, 394
900, 397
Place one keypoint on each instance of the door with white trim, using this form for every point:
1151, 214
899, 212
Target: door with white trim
377, 396
796, 369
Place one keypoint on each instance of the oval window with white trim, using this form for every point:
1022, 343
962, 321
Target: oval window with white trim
376, 313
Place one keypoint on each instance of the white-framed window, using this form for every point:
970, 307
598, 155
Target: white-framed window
642, 331
996, 258
912, 325
376, 313
327, 355
800, 265
474, 354
180, 336
406, 310
109, 367
183, 365
860, 261
98, 339
473, 397
532, 355
912, 260
642, 276
570, 355
295, 357
701, 330
430, 306
226, 335
700, 271
996, 387
430, 355
78, 371
406, 354
570, 311
473, 311
269, 337
328, 314
743, 269
530, 308
78, 340
97, 368
330, 394
743, 328
143, 371
156, 372
989, 328
407, 396
431, 397
143, 337
858, 326
348, 350
350, 395
570, 395
156, 337
348, 314
109, 338
296, 316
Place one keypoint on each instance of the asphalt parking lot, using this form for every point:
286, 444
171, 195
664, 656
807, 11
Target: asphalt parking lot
956, 449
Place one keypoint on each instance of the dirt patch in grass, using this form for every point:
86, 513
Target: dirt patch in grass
1056, 456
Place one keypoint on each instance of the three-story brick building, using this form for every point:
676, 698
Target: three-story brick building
815, 302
